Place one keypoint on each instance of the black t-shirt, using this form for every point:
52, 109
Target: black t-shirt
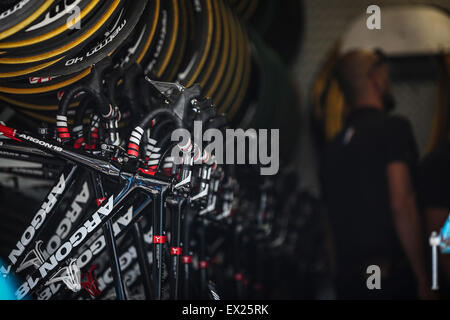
355, 186
434, 179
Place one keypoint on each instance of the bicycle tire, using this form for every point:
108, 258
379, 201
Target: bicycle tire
239, 72
52, 25
92, 53
21, 15
216, 44
143, 38
203, 15
226, 49
63, 45
181, 44
96, 26
232, 64
166, 35
35, 85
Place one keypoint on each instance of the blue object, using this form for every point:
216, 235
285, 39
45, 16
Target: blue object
8, 287
445, 237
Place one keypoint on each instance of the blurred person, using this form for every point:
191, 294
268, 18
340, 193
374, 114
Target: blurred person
434, 194
367, 174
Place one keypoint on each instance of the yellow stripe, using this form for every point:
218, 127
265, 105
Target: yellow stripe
27, 21
152, 33
232, 65
29, 70
207, 46
172, 41
66, 47
181, 46
47, 88
231, 94
243, 89
218, 36
53, 33
225, 51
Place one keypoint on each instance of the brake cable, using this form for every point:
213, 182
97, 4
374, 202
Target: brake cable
94, 87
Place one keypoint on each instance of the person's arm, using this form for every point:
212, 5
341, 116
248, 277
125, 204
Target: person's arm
407, 221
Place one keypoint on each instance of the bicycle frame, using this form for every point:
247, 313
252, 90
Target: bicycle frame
130, 182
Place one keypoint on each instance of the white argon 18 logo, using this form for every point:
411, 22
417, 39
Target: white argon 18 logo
41, 143
125, 261
14, 9
66, 248
36, 223
129, 279
72, 215
77, 238
92, 251
98, 245
56, 13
